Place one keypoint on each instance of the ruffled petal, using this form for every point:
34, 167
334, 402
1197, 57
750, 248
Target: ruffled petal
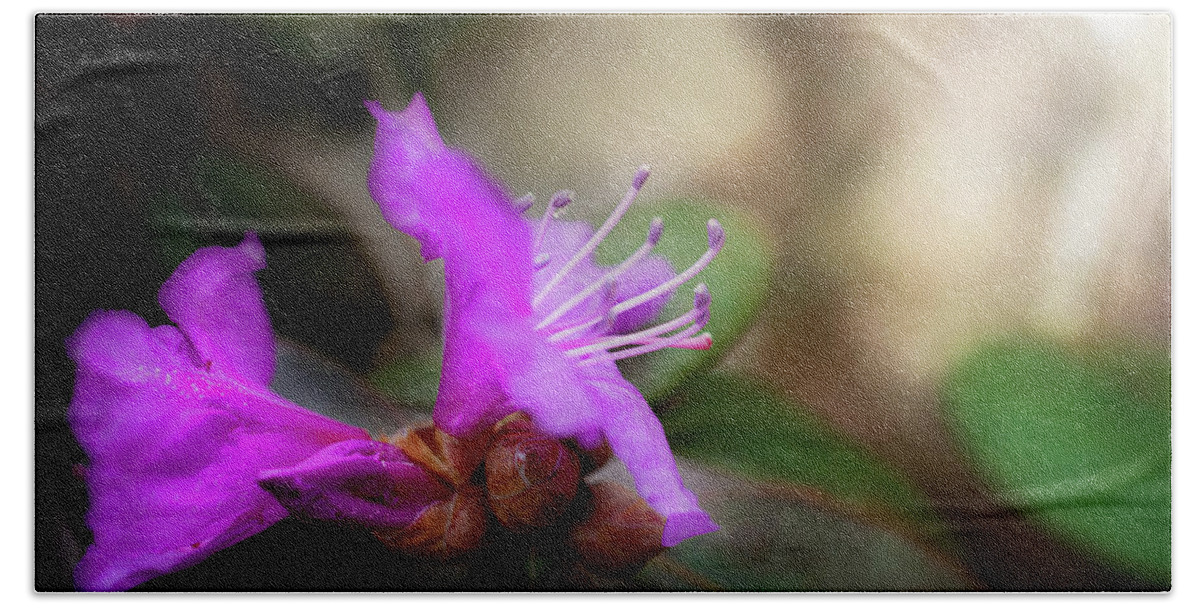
214, 298
404, 142
368, 482
440, 197
174, 450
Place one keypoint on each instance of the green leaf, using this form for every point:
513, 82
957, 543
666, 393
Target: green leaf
236, 196
237, 189
776, 541
1079, 440
740, 425
784, 537
737, 279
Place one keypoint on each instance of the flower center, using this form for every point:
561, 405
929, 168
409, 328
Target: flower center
590, 340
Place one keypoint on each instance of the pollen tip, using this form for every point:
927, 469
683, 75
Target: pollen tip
655, 232
524, 203
540, 261
561, 199
643, 173
716, 234
702, 300
706, 341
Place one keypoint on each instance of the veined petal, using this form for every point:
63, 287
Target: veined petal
175, 443
214, 298
174, 452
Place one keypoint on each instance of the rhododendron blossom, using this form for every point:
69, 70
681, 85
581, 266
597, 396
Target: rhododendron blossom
532, 324
180, 428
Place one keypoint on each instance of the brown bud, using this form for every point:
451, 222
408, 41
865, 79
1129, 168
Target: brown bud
444, 530
620, 534
589, 459
451, 458
531, 479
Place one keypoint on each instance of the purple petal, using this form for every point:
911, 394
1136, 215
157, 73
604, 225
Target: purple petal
175, 450
405, 141
441, 198
637, 438
214, 298
368, 482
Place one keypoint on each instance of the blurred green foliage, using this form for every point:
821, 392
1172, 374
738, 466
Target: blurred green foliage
1078, 439
235, 196
412, 381
741, 425
776, 542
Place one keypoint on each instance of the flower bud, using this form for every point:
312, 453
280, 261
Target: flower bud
620, 534
445, 530
531, 479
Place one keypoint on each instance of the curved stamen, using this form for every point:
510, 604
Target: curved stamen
652, 237
603, 322
716, 239
703, 341
698, 315
638, 181
561, 199
651, 346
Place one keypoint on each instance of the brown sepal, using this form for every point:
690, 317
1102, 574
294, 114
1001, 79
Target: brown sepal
620, 534
450, 458
444, 530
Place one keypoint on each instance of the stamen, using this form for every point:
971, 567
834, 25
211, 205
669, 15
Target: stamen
651, 346
540, 261
716, 239
638, 181
703, 341
561, 199
524, 203
698, 315
652, 237
563, 334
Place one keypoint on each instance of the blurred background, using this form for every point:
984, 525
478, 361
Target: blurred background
942, 318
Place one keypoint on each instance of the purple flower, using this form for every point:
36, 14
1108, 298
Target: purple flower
531, 323
179, 426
